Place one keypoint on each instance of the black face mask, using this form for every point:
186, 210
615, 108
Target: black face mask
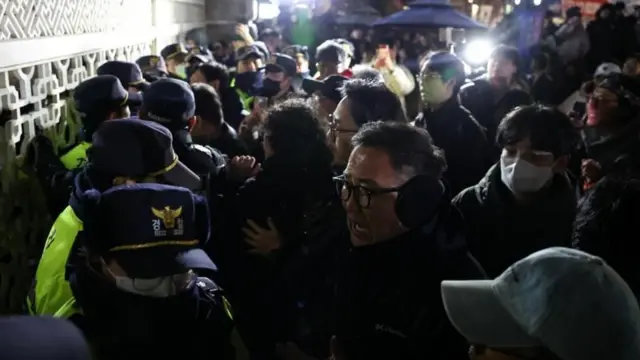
248, 81
270, 88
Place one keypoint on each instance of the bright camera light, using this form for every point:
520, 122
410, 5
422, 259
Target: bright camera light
265, 11
537, 2
477, 52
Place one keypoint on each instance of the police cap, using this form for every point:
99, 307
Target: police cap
150, 230
128, 73
136, 148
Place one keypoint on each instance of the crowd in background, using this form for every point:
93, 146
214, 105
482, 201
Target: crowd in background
259, 199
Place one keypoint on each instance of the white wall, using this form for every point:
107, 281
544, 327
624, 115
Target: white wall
48, 46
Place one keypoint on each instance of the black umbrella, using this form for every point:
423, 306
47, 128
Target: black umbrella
359, 15
430, 13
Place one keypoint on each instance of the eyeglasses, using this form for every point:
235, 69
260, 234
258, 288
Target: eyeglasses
361, 194
335, 130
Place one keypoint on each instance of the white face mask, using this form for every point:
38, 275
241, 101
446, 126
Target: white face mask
521, 176
157, 287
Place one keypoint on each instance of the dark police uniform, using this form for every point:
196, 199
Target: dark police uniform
94, 99
171, 103
151, 231
131, 148
129, 74
175, 51
153, 67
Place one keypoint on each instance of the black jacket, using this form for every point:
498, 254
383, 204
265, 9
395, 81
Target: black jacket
501, 232
489, 107
286, 296
229, 143
466, 149
121, 325
388, 301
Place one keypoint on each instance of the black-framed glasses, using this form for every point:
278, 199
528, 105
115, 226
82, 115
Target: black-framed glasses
335, 129
361, 194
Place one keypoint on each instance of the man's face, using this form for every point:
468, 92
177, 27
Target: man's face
433, 89
249, 65
326, 68
342, 129
524, 150
602, 107
500, 69
371, 215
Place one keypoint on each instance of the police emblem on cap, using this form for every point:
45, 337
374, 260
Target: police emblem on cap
168, 220
154, 60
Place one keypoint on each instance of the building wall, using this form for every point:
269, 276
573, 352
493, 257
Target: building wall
47, 47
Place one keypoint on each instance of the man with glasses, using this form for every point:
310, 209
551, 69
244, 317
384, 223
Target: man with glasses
362, 101
405, 240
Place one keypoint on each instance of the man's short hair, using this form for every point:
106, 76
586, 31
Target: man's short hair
507, 52
208, 104
410, 149
371, 100
448, 65
215, 71
547, 128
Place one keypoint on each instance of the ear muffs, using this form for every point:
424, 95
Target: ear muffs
417, 200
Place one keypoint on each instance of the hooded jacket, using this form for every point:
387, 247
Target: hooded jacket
501, 231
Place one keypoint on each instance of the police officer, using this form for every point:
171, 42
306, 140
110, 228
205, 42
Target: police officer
123, 152
97, 100
171, 103
153, 67
195, 59
140, 287
175, 56
248, 79
129, 74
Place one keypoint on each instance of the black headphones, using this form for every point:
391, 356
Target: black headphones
418, 200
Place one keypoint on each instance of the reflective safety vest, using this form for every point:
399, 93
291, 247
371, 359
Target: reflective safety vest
51, 292
75, 157
245, 98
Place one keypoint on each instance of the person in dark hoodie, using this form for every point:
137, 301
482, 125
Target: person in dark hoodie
405, 239
211, 128
117, 145
283, 238
606, 225
526, 202
451, 126
612, 132
217, 75
490, 97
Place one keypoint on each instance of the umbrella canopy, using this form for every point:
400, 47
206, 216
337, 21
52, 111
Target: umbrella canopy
430, 13
362, 15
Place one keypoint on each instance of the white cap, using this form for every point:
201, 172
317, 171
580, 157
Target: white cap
565, 300
607, 68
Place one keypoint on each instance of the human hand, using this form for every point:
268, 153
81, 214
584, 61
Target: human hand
263, 241
242, 167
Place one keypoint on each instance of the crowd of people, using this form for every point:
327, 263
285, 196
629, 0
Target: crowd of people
277, 204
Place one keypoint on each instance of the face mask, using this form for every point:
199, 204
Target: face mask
433, 91
270, 88
158, 287
520, 176
181, 71
248, 80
